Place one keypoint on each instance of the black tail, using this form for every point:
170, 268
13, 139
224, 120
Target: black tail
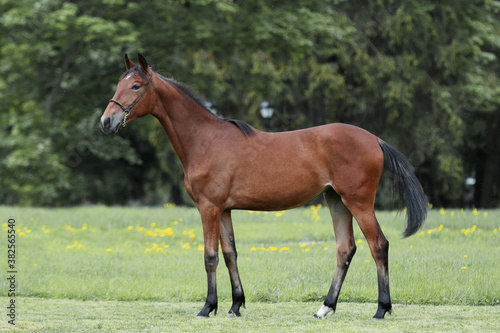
408, 188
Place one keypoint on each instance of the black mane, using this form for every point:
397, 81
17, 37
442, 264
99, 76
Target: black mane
245, 128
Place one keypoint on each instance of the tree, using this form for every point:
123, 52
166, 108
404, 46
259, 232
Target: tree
421, 75
53, 54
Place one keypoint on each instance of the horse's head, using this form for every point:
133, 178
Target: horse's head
132, 99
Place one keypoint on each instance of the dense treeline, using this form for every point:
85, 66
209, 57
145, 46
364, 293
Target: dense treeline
422, 75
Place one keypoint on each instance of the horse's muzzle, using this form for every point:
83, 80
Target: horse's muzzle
110, 124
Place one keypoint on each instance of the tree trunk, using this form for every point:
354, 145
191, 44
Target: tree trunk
489, 187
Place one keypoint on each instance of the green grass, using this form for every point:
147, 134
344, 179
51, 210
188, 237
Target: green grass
111, 254
61, 315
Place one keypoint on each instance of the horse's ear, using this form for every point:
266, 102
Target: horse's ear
144, 63
128, 63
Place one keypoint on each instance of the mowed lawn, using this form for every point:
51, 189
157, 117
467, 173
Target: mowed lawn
142, 269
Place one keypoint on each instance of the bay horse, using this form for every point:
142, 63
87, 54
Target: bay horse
230, 165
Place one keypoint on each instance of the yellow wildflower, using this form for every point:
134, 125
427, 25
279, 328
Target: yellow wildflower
70, 229
166, 232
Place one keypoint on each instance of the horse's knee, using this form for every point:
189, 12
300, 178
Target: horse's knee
211, 262
345, 254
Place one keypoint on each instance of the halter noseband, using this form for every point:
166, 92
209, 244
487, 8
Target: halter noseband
127, 110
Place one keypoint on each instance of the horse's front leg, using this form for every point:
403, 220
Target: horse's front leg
210, 218
230, 257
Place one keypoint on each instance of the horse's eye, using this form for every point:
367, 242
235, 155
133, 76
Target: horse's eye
136, 87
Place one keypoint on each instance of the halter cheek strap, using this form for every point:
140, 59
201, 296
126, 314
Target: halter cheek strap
127, 110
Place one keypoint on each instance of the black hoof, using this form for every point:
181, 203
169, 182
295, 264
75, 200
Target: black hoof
202, 317
381, 313
233, 314
207, 309
235, 309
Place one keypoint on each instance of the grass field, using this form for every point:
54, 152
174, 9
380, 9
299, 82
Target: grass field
142, 269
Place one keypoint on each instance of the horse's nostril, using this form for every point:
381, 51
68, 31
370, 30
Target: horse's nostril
106, 124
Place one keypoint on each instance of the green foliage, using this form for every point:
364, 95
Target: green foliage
421, 75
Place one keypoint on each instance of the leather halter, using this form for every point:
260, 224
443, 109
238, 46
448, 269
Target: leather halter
127, 110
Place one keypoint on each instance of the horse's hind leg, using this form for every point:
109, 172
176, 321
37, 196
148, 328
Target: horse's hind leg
342, 225
228, 247
379, 247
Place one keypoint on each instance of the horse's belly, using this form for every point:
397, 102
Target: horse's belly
278, 190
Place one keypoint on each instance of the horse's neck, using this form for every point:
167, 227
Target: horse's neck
187, 125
